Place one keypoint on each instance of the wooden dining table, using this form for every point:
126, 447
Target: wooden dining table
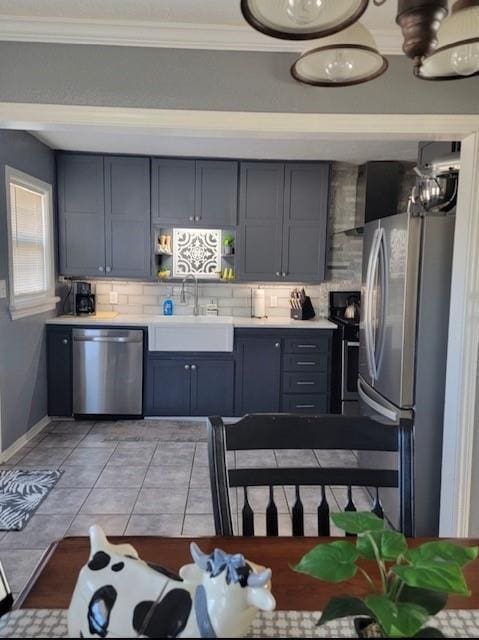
52, 583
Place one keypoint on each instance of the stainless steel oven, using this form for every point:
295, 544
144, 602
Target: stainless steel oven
345, 365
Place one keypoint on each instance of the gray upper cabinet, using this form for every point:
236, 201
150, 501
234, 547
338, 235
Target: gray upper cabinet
127, 217
104, 215
261, 203
283, 221
173, 191
194, 192
306, 197
216, 193
81, 215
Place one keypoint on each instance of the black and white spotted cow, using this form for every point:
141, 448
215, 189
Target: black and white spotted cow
118, 595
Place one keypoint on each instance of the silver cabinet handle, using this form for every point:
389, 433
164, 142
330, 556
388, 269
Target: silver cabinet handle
101, 268
305, 406
191, 218
306, 364
277, 345
108, 269
197, 218
284, 274
65, 340
303, 383
278, 273
187, 366
307, 346
193, 366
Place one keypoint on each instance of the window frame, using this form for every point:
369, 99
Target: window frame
25, 305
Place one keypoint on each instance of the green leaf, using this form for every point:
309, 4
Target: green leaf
432, 601
333, 562
429, 632
343, 607
443, 551
437, 576
402, 620
389, 543
357, 521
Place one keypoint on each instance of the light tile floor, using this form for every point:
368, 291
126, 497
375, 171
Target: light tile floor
121, 475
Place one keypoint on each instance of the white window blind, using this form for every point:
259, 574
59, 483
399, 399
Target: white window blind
30, 244
29, 241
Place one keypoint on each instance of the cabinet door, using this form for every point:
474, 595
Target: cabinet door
81, 214
258, 374
216, 193
59, 371
260, 220
305, 221
173, 191
127, 217
168, 387
212, 388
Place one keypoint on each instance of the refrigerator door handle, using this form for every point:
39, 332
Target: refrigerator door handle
372, 268
376, 406
384, 293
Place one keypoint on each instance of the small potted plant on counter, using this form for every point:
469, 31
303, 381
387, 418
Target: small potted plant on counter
229, 244
164, 273
413, 584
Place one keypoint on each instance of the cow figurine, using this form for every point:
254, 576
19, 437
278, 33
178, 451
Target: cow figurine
117, 595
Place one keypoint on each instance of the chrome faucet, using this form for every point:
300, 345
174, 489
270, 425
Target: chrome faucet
196, 308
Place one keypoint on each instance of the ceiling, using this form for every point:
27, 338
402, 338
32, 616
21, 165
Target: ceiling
144, 143
174, 23
191, 11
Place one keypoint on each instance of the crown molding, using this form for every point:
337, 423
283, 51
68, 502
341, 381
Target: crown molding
164, 35
38, 117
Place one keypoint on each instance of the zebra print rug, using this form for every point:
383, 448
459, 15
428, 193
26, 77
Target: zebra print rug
21, 493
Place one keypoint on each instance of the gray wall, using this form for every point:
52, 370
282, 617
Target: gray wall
217, 80
23, 386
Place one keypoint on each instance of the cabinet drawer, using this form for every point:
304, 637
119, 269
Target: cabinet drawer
306, 345
305, 382
305, 362
317, 403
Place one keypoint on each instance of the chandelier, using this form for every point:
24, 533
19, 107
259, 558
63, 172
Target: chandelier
441, 47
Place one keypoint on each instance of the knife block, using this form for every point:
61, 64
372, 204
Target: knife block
305, 313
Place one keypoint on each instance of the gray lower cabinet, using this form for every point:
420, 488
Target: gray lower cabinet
81, 214
258, 371
194, 192
189, 385
104, 215
283, 210
286, 371
59, 371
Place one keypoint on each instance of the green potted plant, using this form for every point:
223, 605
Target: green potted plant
164, 273
228, 243
412, 584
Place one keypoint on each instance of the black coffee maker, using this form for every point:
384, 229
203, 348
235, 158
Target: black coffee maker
83, 299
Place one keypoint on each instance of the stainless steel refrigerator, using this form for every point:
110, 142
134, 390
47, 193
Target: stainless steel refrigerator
407, 267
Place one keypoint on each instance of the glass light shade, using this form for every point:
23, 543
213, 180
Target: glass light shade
457, 54
302, 19
346, 58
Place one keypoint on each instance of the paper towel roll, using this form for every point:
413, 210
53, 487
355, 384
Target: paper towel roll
259, 303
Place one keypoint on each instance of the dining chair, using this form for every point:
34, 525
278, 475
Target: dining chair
291, 431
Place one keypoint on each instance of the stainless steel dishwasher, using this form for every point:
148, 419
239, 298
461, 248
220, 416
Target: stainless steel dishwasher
108, 372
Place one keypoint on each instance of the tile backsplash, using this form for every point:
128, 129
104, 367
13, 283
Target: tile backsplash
232, 299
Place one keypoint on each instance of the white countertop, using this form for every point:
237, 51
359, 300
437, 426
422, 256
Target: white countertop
147, 320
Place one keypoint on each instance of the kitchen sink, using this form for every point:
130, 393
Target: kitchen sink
191, 333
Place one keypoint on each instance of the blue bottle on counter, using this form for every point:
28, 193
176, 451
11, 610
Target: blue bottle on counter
168, 307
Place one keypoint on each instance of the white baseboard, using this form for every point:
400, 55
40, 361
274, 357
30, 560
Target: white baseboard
22, 441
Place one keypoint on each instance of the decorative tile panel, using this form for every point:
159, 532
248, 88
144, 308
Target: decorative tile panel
196, 252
